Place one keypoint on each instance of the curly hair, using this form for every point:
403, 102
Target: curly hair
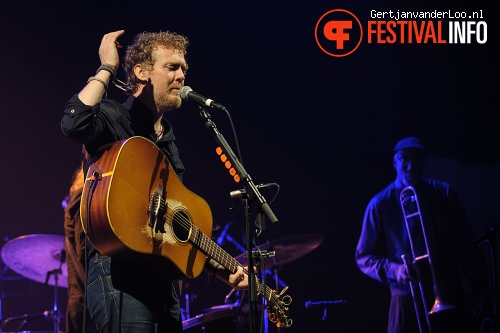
141, 52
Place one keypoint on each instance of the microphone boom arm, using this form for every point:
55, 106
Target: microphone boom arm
252, 192
251, 189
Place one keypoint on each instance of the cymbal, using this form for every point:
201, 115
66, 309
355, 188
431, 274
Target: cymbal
287, 249
34, 256
221, 307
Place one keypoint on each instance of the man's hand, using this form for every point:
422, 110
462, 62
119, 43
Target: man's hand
238, 280
108, 50
402, 275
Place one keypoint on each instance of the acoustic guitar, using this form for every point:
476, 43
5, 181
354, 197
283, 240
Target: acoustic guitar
134, 206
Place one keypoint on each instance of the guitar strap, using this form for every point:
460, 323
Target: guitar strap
87, 160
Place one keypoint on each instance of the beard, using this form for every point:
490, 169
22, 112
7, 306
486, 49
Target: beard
166, 101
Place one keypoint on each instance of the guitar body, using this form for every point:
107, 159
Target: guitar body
134, 206
127, 182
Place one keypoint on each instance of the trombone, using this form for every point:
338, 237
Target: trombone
425, 284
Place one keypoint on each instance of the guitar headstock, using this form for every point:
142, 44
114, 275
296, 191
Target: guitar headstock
278, 308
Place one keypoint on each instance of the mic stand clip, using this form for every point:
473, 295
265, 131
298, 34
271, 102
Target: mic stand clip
261, 254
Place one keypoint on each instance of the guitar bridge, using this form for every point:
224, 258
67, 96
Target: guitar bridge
157, 210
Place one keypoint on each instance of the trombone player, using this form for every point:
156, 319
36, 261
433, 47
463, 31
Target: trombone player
443, 243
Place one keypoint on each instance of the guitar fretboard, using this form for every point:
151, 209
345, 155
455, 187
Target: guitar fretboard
214, 251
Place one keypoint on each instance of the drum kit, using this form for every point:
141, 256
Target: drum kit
42, 258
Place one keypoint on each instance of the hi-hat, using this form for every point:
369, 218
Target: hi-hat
38, 257
287, 249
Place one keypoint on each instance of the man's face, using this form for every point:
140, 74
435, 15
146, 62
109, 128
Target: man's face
409, 165
167, 77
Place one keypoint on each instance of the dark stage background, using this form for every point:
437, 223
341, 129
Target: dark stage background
321, 127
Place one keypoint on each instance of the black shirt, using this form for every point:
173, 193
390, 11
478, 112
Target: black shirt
109, 122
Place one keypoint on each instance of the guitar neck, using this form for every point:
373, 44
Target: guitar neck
214, 251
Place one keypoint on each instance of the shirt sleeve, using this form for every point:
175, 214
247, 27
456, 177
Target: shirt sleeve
371, 256
78, 120
103, 122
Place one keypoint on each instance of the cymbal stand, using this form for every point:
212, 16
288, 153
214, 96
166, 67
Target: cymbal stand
252, 197
56, 315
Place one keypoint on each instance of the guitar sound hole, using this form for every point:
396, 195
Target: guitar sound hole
181, 226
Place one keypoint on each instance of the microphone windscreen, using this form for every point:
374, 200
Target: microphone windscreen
184, 91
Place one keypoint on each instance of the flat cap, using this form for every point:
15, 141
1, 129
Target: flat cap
409, 142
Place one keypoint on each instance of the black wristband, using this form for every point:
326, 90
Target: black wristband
107, 68
214, 267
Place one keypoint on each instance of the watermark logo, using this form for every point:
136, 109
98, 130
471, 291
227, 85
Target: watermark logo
338, 33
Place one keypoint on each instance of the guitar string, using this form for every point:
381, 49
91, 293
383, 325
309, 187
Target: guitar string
186, 224
228, 261
278, 315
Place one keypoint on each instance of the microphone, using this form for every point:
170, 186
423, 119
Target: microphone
310, 304
222, 236
239, 193
187, 94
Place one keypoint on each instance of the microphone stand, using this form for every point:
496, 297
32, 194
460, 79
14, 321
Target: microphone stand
326, 308
252, 196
